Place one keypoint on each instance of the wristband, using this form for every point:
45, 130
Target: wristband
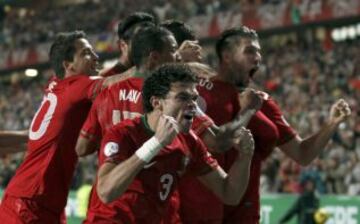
149, 149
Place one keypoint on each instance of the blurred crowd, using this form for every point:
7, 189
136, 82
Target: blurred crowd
299, 74
27, 27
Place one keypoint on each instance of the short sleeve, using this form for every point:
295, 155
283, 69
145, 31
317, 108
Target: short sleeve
202, 162
115, 146
91, 129
271, 109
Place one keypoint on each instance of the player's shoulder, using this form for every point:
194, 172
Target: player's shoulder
126, 126
130, 82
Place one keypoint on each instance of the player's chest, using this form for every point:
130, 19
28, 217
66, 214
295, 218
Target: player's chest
265, 133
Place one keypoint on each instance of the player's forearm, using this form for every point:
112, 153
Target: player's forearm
116, 182
12, 149
12, 139
85, 147
237, 180
312, 146
224, 135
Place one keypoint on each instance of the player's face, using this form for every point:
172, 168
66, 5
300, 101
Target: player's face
244, 62
180, 103
85, 59
169, 53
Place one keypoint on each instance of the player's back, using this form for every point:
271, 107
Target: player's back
120, 101
47, 170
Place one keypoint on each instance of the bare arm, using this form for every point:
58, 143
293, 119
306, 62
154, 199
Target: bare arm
231, 187
113, 180
13, 141
304, 151
220, 139
84, 146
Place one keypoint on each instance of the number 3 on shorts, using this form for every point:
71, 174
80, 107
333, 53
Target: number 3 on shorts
49, 102
166, 181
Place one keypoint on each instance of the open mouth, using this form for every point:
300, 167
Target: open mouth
189, 115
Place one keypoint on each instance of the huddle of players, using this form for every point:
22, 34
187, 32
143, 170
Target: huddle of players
152, 138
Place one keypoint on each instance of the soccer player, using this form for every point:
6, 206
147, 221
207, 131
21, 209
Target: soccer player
38, 191
189, 47
126, 30
142, 160
238, 50
151, 47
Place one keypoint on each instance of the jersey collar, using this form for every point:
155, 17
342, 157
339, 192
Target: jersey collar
146, 125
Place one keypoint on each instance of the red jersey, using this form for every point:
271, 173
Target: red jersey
268, 128
118, 102
149, 198
47, 170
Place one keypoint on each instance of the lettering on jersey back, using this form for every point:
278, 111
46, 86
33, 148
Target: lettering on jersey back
129, 95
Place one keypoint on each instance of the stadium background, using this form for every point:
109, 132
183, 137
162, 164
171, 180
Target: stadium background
311, 56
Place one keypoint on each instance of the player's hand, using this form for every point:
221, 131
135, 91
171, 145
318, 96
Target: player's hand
250, 99
244, 142
166, 129
190, 51
339, 112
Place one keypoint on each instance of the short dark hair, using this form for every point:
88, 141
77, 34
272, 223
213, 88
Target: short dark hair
159, 82
146, 41
63, 49
181, 30
128, 27
230, 37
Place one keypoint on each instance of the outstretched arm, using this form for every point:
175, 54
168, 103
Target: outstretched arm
304, 151
13, 141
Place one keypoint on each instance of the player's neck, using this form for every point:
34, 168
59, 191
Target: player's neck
152, 119
225, 74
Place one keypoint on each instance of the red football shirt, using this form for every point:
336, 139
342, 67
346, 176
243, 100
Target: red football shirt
219, 100
152, 196
47, 170
118, 102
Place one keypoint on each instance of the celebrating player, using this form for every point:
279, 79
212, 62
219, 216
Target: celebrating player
142, 160
38, 191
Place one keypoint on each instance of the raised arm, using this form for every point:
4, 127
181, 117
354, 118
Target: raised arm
304, 151
114, 179
220, 138
231, 186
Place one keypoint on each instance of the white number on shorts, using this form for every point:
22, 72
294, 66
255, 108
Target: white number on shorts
166, 181
52, 99
116, 115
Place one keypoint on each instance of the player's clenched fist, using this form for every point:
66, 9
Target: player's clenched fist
244, 143
339, 112
166, 130
190, 51
250, 99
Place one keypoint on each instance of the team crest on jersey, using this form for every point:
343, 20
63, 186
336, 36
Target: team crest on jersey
111, 148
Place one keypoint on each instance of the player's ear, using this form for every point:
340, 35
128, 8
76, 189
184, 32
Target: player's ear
156, 103
226, 56
67, 65
153, 59
122, 45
